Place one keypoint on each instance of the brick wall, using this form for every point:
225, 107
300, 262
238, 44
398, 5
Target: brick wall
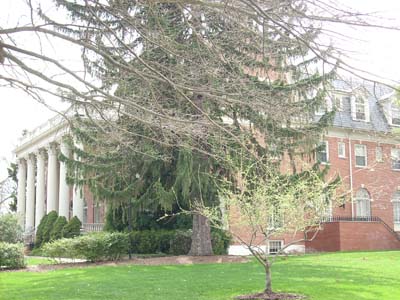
377, 178
353, 236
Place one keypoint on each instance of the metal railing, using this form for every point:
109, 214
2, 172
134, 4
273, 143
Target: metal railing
351, 219
93, 227
370, 219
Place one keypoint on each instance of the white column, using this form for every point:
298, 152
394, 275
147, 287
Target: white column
77, 197
30, 194
52, 179
21, 192
77, 203
40, 187
63, 195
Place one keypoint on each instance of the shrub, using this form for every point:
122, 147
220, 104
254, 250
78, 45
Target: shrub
220, 241
72, 229
51, 219
59, 249
165, 239
181, 242
12, 255
144, 242
93, 247
40, 231
56, 232
10, 230
116, 245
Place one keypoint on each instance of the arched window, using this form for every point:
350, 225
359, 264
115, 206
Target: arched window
363, 203
396, 207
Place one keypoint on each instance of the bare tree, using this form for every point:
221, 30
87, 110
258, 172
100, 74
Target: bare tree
267, 204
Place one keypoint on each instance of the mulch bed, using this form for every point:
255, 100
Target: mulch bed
270, 296
151, 261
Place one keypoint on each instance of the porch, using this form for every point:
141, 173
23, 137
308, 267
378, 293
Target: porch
353, 234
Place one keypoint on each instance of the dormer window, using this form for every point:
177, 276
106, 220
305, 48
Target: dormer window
339, 102
360, 109
395, 116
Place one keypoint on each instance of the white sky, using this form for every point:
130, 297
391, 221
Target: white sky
376, 51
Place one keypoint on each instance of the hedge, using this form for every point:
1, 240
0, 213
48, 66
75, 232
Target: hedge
176, 242
112, 246
11, 255
93, 247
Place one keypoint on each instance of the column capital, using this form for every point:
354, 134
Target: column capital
52, 149
21, 161
31, 158
40, 153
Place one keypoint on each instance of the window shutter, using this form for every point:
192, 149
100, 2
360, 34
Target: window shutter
353, 107
366, 103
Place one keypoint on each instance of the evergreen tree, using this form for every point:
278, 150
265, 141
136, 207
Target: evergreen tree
193, 86
48, 227
72, 229
56, 232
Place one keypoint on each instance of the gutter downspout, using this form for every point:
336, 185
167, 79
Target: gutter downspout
351, 177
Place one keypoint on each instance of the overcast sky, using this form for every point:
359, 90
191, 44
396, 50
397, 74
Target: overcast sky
376, 51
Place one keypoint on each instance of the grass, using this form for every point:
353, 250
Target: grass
32, 261
338, 276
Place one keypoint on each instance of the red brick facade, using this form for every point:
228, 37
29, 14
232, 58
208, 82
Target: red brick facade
377, 178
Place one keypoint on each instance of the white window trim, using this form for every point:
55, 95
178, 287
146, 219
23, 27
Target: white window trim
366, 156
268, 246
395, 201
353, 100
391, 159
344, 150
327, 153
376, 152
391, 114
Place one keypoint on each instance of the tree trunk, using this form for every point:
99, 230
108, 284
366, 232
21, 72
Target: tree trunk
201, 236
268, 282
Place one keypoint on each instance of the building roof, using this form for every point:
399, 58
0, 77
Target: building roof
373, 93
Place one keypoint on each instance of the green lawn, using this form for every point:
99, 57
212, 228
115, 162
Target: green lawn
339, 276
32, 261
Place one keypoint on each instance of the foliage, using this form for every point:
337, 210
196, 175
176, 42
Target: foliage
72, 229
180, 245
116, 220
57, 231
93, 247
12, 255
10, 230
12, 174
39, 240
115, 245
221, 240
59, 249
49, 226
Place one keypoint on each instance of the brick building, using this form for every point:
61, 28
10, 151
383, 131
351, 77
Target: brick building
361, 146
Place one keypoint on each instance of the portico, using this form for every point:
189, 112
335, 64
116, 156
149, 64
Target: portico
42, 185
